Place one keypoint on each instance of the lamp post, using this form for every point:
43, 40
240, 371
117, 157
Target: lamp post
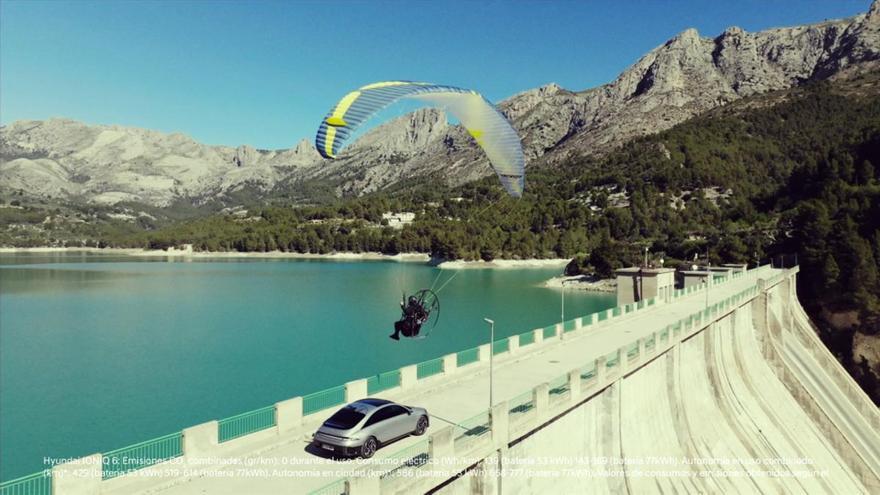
491, 353
562, 311
708, 275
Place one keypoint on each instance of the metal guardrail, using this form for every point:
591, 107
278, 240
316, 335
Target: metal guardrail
246, 423
323, 399
383, 381
559, 387
677, 328
612, 359
412, 457
141, 455
522, 403
500, 346
588, 372
39, 483
467, 356
475, 426
633, 350
429, 368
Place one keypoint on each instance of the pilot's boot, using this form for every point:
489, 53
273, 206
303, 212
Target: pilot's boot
396, 334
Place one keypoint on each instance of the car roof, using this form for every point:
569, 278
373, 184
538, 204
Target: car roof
369, 404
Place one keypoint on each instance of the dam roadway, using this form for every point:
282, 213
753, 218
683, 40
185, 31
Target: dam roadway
721, 407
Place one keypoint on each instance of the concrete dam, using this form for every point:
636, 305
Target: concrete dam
722, 387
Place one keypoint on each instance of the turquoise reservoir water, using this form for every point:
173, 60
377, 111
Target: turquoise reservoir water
100, 352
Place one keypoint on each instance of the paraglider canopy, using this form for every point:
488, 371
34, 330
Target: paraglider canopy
482, 120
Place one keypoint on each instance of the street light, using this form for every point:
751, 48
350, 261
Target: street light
562, 312
491, 353
709, 277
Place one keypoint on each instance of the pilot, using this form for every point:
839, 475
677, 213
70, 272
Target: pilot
412, 319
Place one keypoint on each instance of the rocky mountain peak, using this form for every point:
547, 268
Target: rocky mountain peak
874, 11
688, 37
733, 31
549, 89
730, 34
406, 134
305, 147
525, 101
690, 74
244, 155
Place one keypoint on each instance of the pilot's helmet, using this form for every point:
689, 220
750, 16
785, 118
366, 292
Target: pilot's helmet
412, 299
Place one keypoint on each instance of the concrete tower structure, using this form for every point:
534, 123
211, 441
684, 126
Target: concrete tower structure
636, 284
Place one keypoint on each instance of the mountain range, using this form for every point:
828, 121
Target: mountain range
66, 160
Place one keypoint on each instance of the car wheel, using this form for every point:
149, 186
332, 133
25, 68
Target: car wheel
369, 448
421, 426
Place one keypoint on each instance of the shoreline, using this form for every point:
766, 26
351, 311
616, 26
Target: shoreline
339, 256
502, 263
188, 253
582, 282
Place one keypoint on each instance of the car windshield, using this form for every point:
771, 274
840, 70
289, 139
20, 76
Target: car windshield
344, 418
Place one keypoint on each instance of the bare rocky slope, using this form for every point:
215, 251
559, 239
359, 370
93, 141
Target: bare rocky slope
689, 74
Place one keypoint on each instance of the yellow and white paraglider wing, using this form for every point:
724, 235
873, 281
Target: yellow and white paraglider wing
485, 124
490, 130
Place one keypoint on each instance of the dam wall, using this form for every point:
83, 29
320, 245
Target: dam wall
728, 409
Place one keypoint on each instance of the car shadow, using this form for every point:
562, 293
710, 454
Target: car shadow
317, 451
313, 449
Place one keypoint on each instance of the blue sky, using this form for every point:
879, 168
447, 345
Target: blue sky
264, 73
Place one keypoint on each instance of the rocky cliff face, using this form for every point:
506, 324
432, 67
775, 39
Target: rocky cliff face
686, 76
691, 74
64, 159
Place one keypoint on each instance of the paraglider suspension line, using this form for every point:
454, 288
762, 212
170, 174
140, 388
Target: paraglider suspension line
446, 283
439, 272
491, 204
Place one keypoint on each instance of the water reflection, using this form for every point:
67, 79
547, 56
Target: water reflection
48, 280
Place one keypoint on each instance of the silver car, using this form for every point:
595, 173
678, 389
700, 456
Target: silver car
361, 427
